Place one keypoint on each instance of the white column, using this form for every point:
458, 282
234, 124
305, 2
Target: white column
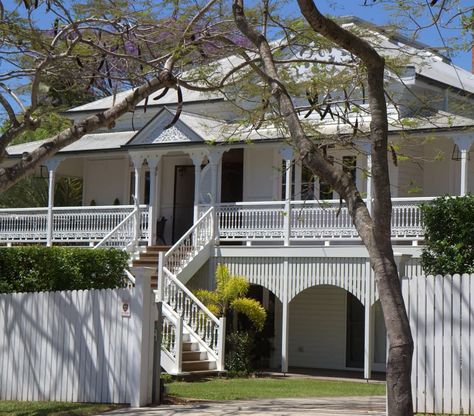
287, 155
367, 149
215, 157
464, 144
197, 158
52, 165
285, 315
153, 162
368, 323
137, 160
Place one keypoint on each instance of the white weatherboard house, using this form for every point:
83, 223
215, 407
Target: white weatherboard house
248, 203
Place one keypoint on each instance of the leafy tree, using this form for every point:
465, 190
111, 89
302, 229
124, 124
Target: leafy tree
152, 45
91, 46
230, 295
449, 241
32, 191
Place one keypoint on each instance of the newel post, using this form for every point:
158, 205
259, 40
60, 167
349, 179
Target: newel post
221, 345
160, 283
141, 339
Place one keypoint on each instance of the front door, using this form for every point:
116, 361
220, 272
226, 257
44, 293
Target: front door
183, 207
232, 176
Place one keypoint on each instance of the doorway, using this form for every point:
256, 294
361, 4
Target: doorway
232, 176
183, 204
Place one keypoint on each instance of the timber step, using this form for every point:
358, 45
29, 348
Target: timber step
149, 257
201, 365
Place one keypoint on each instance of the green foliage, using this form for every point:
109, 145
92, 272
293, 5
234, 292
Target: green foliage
37, 268
230, 295
449, 238
33, 192
252, 309
51, 124
238, 361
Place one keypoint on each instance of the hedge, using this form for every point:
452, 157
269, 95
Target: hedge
37, 268
449, 235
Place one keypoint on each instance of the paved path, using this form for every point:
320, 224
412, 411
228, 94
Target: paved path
333, 406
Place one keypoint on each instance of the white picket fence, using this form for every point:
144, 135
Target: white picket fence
441, 313
76, 346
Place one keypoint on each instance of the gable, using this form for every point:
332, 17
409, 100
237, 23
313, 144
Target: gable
155, 132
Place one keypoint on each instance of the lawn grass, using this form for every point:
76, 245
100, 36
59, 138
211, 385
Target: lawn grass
15, 408
262, 388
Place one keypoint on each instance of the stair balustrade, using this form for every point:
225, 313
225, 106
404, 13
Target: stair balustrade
194, 317
189, 245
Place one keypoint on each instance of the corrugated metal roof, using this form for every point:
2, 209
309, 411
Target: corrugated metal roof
89, 142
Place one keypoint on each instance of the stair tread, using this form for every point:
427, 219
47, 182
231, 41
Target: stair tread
194, 372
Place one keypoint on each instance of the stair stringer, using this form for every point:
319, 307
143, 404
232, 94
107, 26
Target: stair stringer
196, 262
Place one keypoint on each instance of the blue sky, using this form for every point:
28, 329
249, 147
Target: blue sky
375, 13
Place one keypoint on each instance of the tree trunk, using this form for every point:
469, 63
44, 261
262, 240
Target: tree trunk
375, 230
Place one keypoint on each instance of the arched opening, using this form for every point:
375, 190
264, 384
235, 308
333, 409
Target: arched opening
263, 342
326, 329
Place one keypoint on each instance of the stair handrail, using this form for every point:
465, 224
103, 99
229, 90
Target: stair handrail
191, 295
208, 215
117, 227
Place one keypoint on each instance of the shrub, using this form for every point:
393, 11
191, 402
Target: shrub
449, 238
37, 268
238, 354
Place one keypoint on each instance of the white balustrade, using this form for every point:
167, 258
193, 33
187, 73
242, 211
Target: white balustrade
70, 224
182, 309
194, 314
23, 225
310, 220
168, 336
198, 236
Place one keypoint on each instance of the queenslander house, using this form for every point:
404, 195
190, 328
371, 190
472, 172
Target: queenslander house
207, 191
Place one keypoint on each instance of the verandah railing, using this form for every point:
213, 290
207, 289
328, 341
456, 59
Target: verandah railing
70, 224
309, 220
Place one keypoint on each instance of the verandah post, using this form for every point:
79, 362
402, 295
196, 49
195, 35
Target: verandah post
52, 164
287, 155
464, 143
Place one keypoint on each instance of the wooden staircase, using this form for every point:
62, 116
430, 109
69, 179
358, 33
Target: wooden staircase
195, 360
149, 258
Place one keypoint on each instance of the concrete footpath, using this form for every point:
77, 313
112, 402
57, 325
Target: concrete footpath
334, 406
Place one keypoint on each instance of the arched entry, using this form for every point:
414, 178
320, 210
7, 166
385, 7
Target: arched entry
326, 329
